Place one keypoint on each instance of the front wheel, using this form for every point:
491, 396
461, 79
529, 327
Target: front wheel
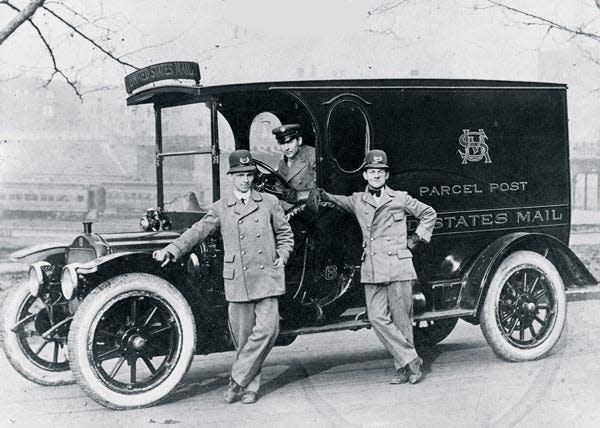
132, 341
525, 309
33, 332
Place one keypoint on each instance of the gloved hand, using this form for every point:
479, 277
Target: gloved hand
413, 241
315, 196
290, 196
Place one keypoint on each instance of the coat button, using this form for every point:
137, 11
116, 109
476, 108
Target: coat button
373, 253
389, 239
240, 221
259, 251
256, 220
243, 253
368, 226
372, 239
300, 181
262, 267
241, 236
389, 253
245, 268
258, 235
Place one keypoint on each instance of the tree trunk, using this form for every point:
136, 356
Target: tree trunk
25, 14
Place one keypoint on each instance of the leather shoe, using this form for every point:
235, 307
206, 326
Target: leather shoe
232, 392
400, 376
414, 369
249, 397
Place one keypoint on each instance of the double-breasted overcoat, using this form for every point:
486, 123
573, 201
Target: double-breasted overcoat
254, 235
386, 257
301, 173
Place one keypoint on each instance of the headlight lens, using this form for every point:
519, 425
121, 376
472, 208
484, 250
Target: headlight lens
36, 277
68, 281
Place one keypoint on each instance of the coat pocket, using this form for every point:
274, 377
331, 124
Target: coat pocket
228, 268
398, 215
228, 272
404, 253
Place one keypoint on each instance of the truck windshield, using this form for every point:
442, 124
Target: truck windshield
187, 174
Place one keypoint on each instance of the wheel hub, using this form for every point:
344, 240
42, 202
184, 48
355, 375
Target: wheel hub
529, 307
134, 340
137, 342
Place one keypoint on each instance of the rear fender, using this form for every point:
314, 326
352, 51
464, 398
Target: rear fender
54, 253
478, 276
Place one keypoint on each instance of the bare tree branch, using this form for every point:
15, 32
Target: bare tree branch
575, 31
389, 6
90, 40
21, 17
71, 83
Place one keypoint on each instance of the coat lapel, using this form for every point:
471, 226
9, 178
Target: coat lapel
298, 164
251, 205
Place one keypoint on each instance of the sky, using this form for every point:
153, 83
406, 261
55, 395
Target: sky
269, 39
263, 40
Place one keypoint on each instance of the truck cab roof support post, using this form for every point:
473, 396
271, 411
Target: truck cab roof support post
214, 140
160, 198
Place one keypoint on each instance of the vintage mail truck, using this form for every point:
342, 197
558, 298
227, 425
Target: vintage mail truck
492, 158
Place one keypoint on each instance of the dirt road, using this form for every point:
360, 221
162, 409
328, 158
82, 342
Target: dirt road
341, 379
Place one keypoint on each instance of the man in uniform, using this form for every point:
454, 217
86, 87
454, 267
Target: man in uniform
257, 241
297, 165
387, 271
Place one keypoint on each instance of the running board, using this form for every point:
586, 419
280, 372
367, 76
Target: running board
344, 325
362, 322
583, 293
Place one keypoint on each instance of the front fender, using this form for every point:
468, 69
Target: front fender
54, 253
119, 262
478, 276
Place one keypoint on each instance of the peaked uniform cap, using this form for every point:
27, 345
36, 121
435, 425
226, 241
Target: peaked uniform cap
241, 161
285, 133
376, 159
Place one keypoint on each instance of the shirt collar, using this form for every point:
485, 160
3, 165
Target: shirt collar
239, 195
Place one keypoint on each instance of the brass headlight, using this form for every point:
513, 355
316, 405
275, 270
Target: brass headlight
68, 281
36, 277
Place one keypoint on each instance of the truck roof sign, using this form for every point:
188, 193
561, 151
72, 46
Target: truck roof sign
163, 71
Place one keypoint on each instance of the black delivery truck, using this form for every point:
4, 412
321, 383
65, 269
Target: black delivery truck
492, 158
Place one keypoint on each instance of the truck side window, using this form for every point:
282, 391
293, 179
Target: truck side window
348, 135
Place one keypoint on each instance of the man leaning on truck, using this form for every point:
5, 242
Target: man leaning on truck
257, 241
387, 271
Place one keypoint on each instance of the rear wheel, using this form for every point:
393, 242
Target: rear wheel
24, 320
132, 341
525, 309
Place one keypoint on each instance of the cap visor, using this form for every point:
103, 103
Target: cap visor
243, 168
376, 165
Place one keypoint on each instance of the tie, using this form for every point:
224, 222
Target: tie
375, 192
243, 201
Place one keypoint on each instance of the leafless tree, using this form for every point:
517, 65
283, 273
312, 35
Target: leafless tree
587, 30
38, 14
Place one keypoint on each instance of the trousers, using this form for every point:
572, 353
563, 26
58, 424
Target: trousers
389, 306
254, 327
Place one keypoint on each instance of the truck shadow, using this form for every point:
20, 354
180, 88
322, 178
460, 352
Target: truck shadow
215, 376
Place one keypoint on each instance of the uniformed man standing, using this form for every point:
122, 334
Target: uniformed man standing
387, 271
257, 241
297, 164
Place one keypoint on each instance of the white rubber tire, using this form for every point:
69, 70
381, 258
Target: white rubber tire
17, 357
97, 303
488, 317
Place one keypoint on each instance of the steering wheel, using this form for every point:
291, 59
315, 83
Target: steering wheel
270, 181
